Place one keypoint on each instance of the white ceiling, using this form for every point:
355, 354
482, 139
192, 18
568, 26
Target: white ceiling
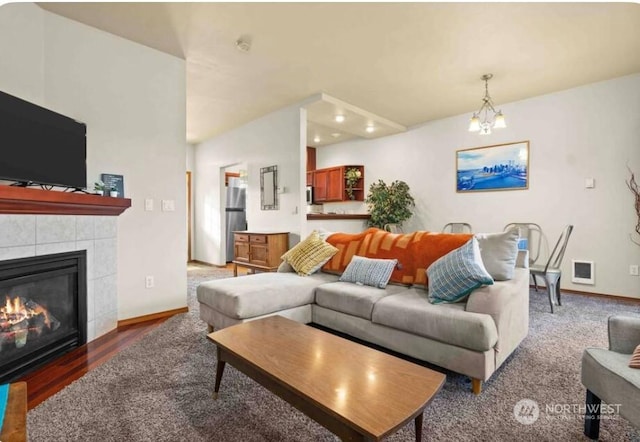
408, 62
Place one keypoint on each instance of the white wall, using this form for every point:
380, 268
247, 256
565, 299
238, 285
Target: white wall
590, 131
132, 99
273, 140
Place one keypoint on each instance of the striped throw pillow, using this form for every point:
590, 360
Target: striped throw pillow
367, 271
455, 275
635, 358
309, 255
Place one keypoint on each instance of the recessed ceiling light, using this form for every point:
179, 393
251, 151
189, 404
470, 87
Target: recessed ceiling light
336, 134
316, 139
370, 128
339, 118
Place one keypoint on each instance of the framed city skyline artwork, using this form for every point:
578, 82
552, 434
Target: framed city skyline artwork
497, 167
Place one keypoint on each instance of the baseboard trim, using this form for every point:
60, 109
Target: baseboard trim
204, 263
629, 299
152, 316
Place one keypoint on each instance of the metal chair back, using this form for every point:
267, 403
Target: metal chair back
393, 228
531, 234
457, 228
555, 259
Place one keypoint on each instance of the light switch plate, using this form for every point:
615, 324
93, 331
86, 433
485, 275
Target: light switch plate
589, 183
148, 205
168, 205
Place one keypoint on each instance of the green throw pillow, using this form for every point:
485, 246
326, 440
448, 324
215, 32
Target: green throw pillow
455, 275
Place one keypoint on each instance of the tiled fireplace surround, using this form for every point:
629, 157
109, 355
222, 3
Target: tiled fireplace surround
33, 235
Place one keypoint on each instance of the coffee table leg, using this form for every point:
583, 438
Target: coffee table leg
419, 427
219, 370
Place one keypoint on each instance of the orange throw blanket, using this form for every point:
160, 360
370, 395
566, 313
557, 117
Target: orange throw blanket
414, 251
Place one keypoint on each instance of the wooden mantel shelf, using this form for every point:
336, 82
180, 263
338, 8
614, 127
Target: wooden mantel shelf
21, 200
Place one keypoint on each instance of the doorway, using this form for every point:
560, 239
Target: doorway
235, 204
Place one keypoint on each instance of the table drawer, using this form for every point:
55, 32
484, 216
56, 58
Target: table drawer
260, 239
240, 237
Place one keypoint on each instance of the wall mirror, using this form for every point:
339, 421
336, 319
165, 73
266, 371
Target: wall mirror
269, 188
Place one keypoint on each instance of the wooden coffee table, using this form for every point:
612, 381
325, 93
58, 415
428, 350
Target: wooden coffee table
354, 391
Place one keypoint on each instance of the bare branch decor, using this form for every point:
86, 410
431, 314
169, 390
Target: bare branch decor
633, 186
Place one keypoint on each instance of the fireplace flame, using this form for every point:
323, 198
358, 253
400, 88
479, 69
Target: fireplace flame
15, 311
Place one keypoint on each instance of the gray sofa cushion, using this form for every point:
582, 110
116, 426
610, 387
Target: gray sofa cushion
353, 299
607, 374
499, 252
411, 311
248, 296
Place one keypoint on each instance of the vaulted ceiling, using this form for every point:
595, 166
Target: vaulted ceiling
406, 62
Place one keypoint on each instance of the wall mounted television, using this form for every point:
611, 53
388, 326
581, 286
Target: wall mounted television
39, 146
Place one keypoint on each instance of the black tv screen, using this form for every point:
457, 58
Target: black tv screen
40, 146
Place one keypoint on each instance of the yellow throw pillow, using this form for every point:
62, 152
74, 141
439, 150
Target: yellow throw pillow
635, 358
309, 255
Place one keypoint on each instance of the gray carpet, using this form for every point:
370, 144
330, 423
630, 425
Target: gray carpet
160, 388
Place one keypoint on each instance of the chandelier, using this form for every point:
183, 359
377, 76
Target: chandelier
484, 120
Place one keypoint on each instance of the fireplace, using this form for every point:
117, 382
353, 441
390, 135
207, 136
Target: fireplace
43, 310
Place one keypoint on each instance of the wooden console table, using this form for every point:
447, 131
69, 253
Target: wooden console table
259, 250
14, 428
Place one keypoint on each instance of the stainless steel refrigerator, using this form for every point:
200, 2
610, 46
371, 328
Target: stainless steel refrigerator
235, 213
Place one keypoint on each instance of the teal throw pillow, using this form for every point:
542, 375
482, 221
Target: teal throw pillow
367, 271
455, 275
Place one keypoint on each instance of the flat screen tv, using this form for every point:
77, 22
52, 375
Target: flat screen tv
39, 146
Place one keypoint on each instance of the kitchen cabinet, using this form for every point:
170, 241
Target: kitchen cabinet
330, 185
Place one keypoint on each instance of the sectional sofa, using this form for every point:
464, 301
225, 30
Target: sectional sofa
473, 337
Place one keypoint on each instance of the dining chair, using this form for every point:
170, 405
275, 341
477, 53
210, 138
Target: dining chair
457, 228
551, 272
531, 240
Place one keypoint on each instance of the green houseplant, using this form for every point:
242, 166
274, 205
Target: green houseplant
352, 175
389, 204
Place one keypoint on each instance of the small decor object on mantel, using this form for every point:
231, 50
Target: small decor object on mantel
114, 184
98, 188
352, 175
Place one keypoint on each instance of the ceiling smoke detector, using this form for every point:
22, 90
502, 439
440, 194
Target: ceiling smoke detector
243, 45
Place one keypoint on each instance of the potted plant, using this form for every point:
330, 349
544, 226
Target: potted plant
99, 188
352, 175
389, 204
113, 191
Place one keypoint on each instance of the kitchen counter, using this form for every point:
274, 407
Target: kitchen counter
326, 216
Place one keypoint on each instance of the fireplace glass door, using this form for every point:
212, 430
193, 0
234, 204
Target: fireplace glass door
42, 310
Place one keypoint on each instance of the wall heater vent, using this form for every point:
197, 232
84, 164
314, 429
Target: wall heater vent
582, 272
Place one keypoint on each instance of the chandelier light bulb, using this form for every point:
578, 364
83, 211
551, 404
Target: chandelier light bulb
499, 123
339, 118
474, 124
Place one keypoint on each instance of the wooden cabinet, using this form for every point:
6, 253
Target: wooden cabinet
259, 250
330, 185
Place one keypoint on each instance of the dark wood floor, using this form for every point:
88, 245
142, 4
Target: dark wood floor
53, 377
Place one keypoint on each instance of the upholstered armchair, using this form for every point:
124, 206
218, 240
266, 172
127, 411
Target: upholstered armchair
608, 377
